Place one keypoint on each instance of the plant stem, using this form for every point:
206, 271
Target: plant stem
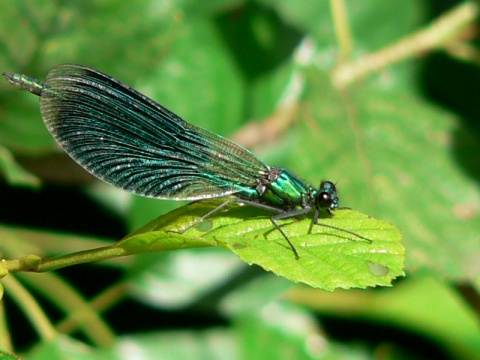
434, 36
342, 29
30, 308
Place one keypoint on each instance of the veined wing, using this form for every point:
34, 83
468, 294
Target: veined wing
130, 141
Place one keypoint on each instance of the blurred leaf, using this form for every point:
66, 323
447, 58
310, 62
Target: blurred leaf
13, 172
280, 337
142, 210
214, 343
329, 258
24, 24
252, 296
22, 129
63, 347
179, 279
421, 304
18, 241
315, 17
279, 323
8, 356
178, 81
391, 21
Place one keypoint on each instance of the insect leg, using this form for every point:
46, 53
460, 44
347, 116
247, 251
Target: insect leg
286, 215
280, 215
315, 221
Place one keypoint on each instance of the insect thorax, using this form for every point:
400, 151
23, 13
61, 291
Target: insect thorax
282, 189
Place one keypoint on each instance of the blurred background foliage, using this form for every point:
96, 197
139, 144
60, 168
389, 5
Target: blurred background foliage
379, 96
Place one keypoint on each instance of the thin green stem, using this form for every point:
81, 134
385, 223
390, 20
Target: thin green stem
342, 29
35, 263
100, 303
72, 303
30, 308
81, 257
5, 338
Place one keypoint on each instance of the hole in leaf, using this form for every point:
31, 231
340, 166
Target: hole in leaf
204, 226
239, 246
377, 269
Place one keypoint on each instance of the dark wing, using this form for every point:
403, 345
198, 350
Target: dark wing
128, 140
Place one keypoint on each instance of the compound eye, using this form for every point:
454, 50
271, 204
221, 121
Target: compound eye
325, 200
327, 196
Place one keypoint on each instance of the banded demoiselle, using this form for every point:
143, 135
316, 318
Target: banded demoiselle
128, 140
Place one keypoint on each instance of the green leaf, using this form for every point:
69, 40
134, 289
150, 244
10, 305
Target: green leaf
329, 258
8, 356
179, 279
261, 330
13, 172
423, 304
213, 343
63, 347
179, 81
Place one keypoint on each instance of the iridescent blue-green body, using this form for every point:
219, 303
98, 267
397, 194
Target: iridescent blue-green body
130, 141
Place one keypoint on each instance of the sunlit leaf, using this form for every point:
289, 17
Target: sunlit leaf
329, 258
